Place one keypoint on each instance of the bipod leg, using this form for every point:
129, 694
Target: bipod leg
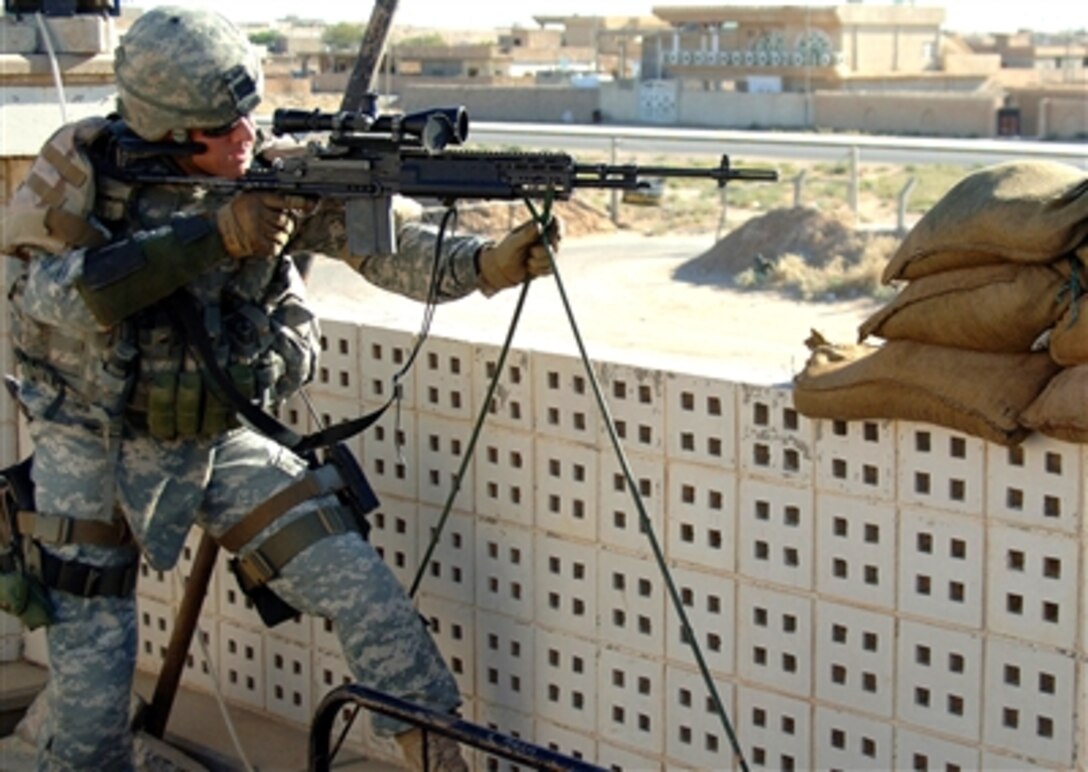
196, 588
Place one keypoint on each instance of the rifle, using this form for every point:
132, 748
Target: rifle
369, 157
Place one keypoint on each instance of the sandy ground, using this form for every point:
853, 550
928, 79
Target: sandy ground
628, 307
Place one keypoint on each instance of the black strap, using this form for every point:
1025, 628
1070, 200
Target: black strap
184, 310
80, 579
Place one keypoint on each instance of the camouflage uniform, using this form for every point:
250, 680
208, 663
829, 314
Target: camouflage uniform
80, 382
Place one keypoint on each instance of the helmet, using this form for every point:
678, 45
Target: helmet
180, 69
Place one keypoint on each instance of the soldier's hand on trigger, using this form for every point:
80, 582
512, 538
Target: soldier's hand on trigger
521, 254
259, 224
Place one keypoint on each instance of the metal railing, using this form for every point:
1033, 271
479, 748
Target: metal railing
488, 740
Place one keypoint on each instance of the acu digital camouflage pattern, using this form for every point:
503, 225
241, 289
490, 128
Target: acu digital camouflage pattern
87, 463
170, 69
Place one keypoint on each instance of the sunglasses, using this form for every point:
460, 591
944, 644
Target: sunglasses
225, 129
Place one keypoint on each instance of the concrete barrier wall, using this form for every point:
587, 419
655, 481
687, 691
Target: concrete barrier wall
867, 595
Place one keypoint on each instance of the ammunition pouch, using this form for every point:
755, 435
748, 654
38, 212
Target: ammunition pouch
21, 595
186, 406
27, 571
340, 475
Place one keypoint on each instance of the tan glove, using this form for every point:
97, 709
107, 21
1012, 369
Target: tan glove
521, 254
257, 224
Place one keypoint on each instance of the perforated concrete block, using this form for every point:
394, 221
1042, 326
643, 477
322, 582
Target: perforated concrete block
201, 663
916, 750
234, 606
941, 566
622, 759
709, 603
856, 458
453, 628
505, 467
775, 441
451, 571
383, 356
855, 658
775, 538
565, 585
774, 639
561, 739
620, 523
395, 537
155, 623
288, 680
701, 421
940, 469
701, 515
445, 468
511, 405
505, 568
155, 584
1030, 695
775, 731
501, 719
1036, 484
444, 379
332, 410
563, 401
939, 679
850, 741
636, 402
631, 603
567, 488
339, 362
631, 702
391, 454
566, 680
241, 664
696, 737
1033, 585
856, 550
505, 653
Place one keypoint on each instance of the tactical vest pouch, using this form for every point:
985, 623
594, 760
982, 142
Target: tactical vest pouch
162, 397
21, 595
189, 404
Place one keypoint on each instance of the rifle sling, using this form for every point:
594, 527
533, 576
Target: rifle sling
185, 313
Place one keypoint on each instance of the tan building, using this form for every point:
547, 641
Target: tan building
794, 48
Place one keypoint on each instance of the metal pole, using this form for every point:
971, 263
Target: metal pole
370, 54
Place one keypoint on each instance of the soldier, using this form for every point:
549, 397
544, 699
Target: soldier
133, 444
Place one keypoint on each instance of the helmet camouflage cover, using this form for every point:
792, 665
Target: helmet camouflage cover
180, 69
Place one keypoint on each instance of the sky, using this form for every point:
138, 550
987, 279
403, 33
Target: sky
960, 15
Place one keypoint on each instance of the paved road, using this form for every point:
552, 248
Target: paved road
628, 308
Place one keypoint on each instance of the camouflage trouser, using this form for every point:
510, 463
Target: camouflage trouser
92, 647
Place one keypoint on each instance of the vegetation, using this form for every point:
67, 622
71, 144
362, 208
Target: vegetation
276, 42
343, 36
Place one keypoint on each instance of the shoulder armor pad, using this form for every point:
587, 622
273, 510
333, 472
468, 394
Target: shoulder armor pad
51, 208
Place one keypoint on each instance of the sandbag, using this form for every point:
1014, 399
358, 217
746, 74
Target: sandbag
974, 392
1061, 411
1068, 344
992, 308
1020, 211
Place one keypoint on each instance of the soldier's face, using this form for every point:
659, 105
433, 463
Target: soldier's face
229, 149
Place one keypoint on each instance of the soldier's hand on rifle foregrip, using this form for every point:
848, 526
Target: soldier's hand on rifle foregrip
521, 254
257, 224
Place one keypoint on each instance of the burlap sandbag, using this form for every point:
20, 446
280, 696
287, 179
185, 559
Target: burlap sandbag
1069, 338
978, 393
1061, 411
1020, 211
1002, 307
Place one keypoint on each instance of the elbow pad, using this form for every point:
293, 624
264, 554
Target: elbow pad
127, 276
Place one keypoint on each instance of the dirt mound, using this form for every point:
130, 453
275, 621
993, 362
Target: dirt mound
494, 219
817, 237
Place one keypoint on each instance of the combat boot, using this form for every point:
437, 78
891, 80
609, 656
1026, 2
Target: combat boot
443, 754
